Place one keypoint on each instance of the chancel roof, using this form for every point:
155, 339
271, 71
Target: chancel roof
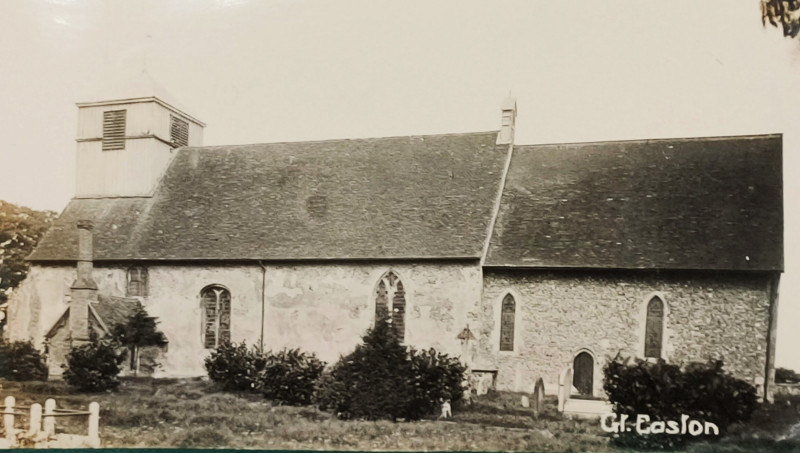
707, 203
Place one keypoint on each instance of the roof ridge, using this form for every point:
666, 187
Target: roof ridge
341, 140
664, 139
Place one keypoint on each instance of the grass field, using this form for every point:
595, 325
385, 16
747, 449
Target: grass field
191, 413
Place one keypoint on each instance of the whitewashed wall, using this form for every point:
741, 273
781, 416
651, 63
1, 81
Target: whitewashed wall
323, 308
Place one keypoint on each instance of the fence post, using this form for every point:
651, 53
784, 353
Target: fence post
36, 419
8, 420
94, 425
49, 420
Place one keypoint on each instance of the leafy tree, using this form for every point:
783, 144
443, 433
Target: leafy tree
139, 331
783, 12
786, 376
20, 231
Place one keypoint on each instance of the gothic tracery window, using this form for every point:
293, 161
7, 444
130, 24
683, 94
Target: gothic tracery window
216, 304
390, 303
654, 328
507, 318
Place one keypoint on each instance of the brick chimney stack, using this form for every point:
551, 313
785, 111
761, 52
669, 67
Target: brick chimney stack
506, 135
84, 289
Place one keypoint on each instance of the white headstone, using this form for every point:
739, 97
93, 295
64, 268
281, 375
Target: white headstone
564, 387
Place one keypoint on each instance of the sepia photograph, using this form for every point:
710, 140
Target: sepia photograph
351, 225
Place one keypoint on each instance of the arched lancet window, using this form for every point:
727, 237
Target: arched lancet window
654, 328
390, 303
216, 302
137, 282
507, 313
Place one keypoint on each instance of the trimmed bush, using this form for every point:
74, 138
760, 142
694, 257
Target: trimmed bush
381, 379
289, 377
702, 391
435, 378
235, 367
93, 367
21, 361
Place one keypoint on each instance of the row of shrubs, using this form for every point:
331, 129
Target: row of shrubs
90, 367
380, 379
286, 377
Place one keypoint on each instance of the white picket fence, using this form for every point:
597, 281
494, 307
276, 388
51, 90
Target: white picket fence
41, 431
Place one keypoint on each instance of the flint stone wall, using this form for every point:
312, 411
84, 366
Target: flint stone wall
559, 314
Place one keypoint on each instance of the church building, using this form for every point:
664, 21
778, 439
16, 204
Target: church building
523, 260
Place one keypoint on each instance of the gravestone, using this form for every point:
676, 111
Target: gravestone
538, 397
525, 401
564, 387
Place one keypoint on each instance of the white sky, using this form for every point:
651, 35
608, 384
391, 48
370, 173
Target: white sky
263, 71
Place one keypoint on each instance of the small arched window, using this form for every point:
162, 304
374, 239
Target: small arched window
137, 282
216, 302
654, 328
390, 303
507, 317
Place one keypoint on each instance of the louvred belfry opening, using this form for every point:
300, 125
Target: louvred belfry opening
178, 131
114, 130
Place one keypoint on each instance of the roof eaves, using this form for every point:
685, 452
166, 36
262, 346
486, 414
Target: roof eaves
57, 325
272, 259
139, 100
99, 319
558, 267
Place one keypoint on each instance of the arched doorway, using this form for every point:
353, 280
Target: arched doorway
583, 373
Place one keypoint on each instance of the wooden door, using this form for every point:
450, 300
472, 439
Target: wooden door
583, 373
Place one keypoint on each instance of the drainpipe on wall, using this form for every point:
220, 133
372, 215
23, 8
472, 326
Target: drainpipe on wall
769, 372
263, 302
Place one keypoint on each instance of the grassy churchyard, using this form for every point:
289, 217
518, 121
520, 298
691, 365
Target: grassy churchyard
192, 413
